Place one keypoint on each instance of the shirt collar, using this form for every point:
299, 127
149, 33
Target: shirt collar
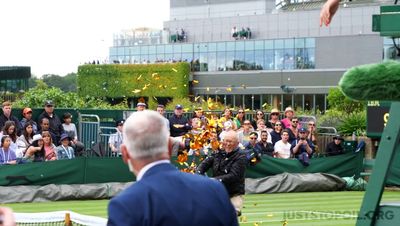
148, 166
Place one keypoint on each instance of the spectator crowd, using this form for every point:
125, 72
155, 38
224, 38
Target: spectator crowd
46, 139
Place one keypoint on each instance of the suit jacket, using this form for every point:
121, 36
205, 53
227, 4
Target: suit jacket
166, 196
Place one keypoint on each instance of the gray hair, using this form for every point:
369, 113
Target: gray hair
145, 134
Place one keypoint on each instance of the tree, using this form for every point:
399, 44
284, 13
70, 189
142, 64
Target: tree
337, 100
66, 83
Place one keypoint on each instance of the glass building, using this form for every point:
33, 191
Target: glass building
225, 56
14, 79
289, 60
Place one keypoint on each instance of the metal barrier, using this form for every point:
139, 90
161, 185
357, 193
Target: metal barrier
94, 136
105, 133
89, 129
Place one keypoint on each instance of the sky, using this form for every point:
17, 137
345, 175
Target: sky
56, 36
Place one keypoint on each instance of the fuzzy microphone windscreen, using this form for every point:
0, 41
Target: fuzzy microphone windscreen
372, 82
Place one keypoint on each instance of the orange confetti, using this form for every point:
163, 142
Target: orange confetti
182, 157
195, 81
136, 91
196, 98
174, 70
138, 78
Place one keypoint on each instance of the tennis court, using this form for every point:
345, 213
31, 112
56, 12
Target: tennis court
311, 208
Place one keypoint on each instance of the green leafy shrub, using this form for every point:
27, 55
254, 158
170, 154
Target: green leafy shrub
354, 122
331, 118
35, 98
339, 101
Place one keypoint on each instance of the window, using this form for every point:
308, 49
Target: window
221, 61
320, 100
212, 61
308, 102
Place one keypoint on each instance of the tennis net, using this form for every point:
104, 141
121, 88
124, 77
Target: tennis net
67, 218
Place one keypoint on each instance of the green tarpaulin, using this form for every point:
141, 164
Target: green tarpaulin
345, 165
103, 170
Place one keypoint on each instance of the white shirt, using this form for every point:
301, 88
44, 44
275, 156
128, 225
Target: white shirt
148, 166
282, 149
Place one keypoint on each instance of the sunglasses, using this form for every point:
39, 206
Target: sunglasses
274, 113
240, 112
295, 121
278, 124
260, 114
311, 124
253, 138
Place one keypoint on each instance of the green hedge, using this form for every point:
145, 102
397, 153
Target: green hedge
131, 80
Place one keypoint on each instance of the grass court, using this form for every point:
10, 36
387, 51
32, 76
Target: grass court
287, 209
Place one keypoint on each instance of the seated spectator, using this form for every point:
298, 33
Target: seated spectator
213, 144
259, 115
70, 129
45, 126
289, 114
227, 126
273, 118
251, 144
9, 129
276, 133
263, 146
35, 152
27, 117
335, 147
252, 154
282, 147
302, 148
261, 127
293, 129
240, 117
7, 155
227, 117
199, 113
191, 137
64, 151
245, 132
7, 116
49, 147
115, 140
313, 134
25, 139
141, 106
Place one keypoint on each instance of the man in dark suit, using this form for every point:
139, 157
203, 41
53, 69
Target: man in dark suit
162, 195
